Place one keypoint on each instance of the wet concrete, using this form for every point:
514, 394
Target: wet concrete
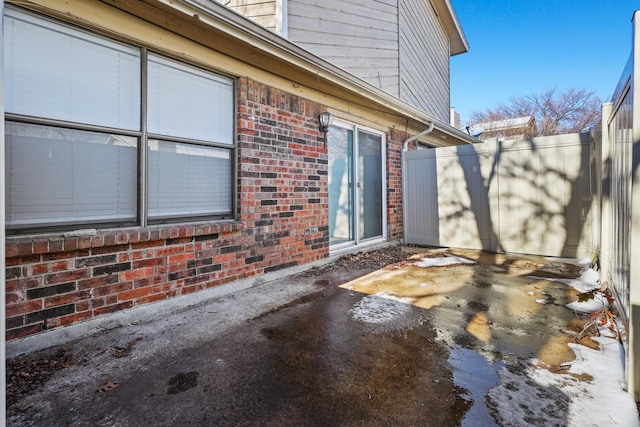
406, 345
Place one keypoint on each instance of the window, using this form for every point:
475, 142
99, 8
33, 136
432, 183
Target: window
79, 150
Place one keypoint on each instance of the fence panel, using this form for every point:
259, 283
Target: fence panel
530, 196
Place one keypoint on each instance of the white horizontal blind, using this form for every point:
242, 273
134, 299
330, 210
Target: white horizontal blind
57, 72
188, 102
187, 179
57, 176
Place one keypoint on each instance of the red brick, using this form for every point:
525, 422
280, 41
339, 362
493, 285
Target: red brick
169, 250
152, 298
21, 260
137, 274
67, 276
181, 257
188, 289
70, 243
55, 256
23, 307
41, 246
66, 298
24, 331
109, 249
96, 282
12, 297
133, 294
87, 305
113, 308
148, 262
23, 283
147, 244
68, 319
112, 289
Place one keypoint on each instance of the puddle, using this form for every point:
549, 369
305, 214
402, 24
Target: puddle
472, 372
182, 382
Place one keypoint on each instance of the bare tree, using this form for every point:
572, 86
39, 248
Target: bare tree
572, 111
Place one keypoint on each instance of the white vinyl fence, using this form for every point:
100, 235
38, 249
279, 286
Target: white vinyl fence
534, 196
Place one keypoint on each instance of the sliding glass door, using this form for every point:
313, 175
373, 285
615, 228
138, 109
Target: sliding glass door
356, 185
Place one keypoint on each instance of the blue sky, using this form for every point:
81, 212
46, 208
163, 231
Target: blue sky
522, 47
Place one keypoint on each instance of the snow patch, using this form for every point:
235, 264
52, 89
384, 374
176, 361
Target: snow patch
520, 400
588, 281
530, 395
379, 308
443, 261
596, 303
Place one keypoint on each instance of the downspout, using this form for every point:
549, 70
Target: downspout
3, 289
405, 147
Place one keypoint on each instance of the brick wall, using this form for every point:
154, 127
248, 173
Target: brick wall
395, 139
52, 280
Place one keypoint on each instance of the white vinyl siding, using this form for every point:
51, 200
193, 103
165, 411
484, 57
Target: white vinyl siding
360, 37
261, 11
424, 59
399, 46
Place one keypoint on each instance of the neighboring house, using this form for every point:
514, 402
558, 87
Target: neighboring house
400, 46
156, 149
507, 129
454, 118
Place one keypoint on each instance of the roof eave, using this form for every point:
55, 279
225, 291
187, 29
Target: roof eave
236, 25
457, 40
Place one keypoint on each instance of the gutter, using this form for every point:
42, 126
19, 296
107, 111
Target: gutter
405, 148
238, 26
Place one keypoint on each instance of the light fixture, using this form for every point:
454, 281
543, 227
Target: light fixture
325, 120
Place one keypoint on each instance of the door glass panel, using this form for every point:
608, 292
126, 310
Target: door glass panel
340, 185
369, 185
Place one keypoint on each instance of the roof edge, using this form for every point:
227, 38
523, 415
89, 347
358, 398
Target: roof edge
457, 40
237, 25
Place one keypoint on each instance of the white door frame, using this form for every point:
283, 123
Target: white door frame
358, 242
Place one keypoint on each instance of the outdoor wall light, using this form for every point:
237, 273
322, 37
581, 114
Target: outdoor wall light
325, 120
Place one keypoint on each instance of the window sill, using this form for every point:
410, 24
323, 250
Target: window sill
84, 239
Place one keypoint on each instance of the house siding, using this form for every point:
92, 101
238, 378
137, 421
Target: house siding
261, 11
424, 59
360, 37
399, 46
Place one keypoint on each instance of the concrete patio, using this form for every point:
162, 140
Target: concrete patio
444, 337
